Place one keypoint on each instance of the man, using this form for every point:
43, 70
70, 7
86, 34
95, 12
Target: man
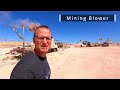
34, 65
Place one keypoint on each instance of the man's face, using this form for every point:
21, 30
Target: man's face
42, 40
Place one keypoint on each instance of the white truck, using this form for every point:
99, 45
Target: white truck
54, 47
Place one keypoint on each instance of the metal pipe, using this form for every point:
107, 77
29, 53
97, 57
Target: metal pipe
17, 33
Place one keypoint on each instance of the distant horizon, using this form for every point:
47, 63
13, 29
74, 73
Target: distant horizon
66, 32
58, 41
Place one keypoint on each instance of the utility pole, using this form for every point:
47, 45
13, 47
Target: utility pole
23, 36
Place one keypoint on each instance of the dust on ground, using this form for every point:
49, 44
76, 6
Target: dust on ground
74, 63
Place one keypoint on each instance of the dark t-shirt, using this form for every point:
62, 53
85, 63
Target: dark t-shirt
31, 66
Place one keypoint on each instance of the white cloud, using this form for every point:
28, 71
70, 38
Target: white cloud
6, 19
26, 22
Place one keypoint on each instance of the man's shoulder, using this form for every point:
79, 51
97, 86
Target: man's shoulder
29, 58
29, 54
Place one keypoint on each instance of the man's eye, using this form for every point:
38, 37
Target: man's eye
48, 38
41, 38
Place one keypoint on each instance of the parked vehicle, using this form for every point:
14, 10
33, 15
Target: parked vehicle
105, 44
86, 43
60, 44
54, 47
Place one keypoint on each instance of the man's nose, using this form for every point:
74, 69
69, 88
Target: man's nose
44, 40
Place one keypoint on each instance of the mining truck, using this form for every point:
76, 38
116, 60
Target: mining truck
60, 44
54, 47
105, 44
87, 43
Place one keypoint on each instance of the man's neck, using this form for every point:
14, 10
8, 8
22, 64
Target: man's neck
40, 54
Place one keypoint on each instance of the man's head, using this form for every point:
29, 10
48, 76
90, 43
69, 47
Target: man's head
42, 39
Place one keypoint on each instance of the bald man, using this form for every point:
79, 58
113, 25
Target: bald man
34, 64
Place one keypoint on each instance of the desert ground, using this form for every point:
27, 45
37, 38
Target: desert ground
74, 63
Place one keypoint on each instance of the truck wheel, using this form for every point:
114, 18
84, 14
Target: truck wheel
55, 50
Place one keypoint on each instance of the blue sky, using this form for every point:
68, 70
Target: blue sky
69, 32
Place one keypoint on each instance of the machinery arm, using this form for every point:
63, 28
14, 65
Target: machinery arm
17, 33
